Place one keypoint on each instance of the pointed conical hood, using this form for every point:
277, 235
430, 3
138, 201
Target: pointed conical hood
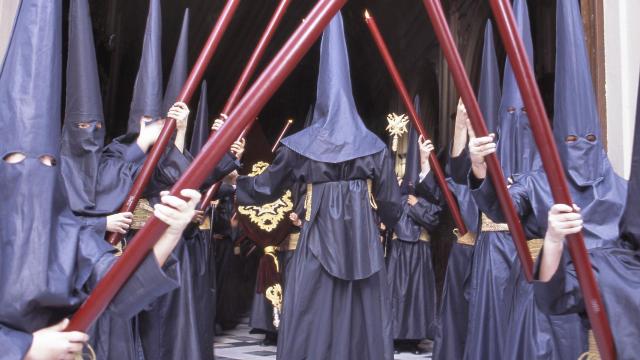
576, 113
83, 130
179, 68
83, 98
489, 92
147, 91
516, 148
30, 82
630, 223
412, 164
39, 243
337, 132
200, 132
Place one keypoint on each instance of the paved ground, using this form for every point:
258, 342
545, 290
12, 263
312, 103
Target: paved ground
238, 344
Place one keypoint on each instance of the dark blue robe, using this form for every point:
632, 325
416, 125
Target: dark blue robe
337, 303
617, 271
179, 325
601, 212
453, 317
410, 268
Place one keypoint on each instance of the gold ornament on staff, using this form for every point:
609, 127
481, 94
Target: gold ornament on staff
397, 127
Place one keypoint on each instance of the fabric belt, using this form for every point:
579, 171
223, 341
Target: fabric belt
141, 214
424, 236
290, 243
535, 245
489, 226
468, 239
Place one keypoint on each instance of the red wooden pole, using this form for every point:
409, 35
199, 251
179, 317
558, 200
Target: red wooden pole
243, 81
417, 121
248, 108
543, 135
286, 127
451, 54
255, 58
186, 93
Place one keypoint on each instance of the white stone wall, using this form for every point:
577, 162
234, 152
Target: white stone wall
8, 11
622, 59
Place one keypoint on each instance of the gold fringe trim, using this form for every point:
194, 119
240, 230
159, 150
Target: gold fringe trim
489, 226
372, 200
535, 245
307, 202
593, 353
467, 239
141, 214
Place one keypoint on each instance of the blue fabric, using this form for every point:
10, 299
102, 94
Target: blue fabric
30, 82
81, 146
516, 148
489, 93
179, 69
147, 90
630, 222
576, 113
336, 133
200, 132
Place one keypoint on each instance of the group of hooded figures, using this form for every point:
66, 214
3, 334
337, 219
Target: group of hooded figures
350, 288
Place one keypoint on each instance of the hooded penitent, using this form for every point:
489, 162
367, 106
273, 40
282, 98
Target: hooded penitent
451, 334
494, 254
147, 91
630, 222
40, 278
179, 69
595, 187
337, 133
83, 130
516, 148
200, 132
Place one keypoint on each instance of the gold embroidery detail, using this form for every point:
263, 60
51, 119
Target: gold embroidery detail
141, 214
397, 126
467, 239
267, 216
535, 245
489, 226
274, 295
272, 251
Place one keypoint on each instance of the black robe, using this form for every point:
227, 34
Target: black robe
337, 303
410, 268
617, 271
